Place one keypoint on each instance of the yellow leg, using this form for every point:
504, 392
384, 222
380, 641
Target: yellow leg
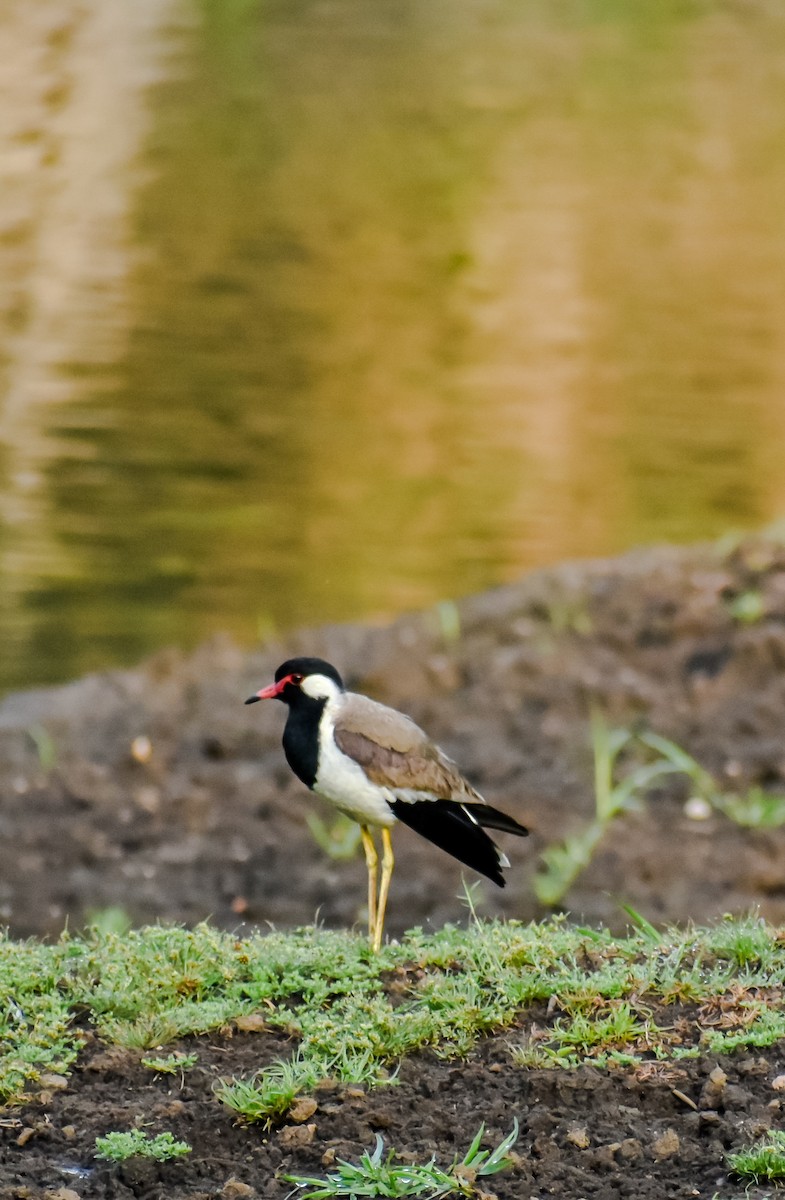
388, 862
372, 863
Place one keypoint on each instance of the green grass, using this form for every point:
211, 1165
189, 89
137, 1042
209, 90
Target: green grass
377, 1174
578, 995
763, 1160
118, 1147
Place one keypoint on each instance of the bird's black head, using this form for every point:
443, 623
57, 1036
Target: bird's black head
300, 679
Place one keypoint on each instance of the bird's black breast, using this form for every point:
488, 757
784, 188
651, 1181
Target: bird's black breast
301, 738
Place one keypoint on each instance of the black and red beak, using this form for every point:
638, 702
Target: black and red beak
271, 692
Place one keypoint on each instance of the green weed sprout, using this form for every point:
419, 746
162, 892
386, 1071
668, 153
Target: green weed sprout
340, 839
763, 1160
269, 1093
613, 797
755, 809
44, 745
377, 1174
170, 1064
118, 1147
113, 919
748, 608
565, 861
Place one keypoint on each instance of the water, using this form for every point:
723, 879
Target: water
370, 305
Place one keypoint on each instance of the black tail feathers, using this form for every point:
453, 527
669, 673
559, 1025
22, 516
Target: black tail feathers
456, 828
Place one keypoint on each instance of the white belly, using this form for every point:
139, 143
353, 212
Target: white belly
345, 784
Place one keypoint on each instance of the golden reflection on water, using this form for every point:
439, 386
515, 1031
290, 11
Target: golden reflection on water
419, 297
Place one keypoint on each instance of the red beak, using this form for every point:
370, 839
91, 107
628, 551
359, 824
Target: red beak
270, 692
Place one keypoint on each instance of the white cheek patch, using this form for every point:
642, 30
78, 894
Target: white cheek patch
320, 687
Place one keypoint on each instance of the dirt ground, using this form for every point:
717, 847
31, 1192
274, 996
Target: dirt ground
157, 791
588, 1133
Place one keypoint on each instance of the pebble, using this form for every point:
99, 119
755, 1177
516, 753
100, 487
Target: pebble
53, 1083
141, 748
297, 1135
252, 1023
302, 1108
666, 1145
235, 1189
697, 809
713, 1090
630, 1149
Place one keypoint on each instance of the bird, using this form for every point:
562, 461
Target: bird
378, 767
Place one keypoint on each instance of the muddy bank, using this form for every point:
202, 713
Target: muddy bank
157, 790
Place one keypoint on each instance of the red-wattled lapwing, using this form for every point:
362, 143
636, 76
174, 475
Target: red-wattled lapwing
378, 767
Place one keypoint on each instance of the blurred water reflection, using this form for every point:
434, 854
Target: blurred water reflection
371, 304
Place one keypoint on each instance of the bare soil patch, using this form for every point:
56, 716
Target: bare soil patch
584, 1133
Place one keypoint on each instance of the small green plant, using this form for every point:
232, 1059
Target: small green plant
44, 745
171, 1064
756, 809
270, 1093
135, 1143
618, 1025
764, 1029
681, 762
447, 621
613, 797
763, 1160
748, 607
113, 919
340, 839
377, 1174
744, 941
643, 926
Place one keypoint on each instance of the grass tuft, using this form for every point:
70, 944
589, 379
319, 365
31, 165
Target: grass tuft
763, 1160
270, 1093
171, 1064
377, 1174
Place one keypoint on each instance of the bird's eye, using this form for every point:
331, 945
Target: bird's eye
296, 678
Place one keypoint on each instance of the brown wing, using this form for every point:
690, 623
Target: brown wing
396, 753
